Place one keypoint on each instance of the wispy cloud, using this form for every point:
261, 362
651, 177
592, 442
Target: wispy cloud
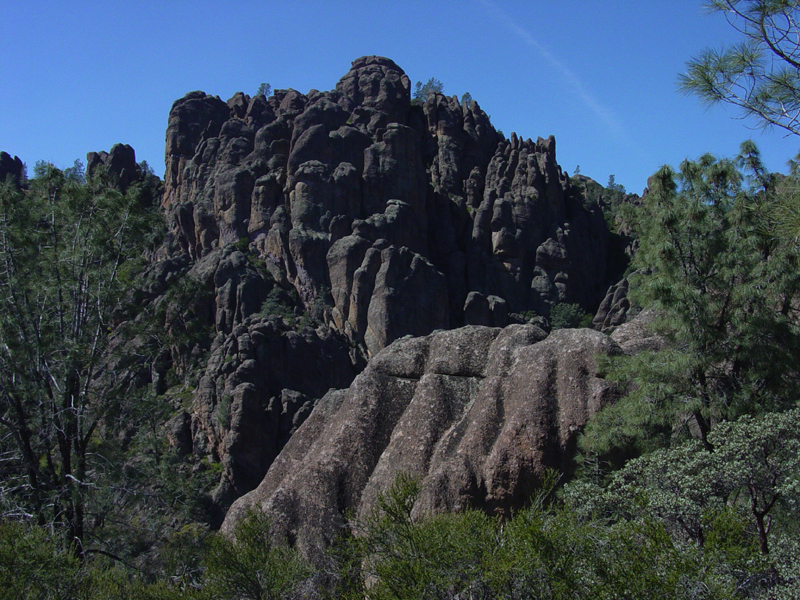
603, 113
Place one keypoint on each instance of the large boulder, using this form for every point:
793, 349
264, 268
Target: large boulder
476, 414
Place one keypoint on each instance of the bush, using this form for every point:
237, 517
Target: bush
251, 565
568, 316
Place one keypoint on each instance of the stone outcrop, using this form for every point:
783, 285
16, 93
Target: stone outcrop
12, 168
637, 333
613, 310
120, 163
405, 213
476, 414
319, 228
266, 365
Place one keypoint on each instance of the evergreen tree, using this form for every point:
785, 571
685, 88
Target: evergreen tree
725, 287
64, 248
432, 86
264, 89
760, 75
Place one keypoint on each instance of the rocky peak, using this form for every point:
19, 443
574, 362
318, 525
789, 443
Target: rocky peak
377, 84
321, 185
311, 232
382, 217
120, 162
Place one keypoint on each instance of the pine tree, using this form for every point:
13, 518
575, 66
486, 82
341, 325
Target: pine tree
64, 248
726, 289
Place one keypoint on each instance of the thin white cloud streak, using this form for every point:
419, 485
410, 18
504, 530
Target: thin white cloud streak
605, 115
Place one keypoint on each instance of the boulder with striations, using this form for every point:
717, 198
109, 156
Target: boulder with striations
476, 414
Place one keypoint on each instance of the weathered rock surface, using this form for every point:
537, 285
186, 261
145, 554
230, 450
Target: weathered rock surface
120, 162
263, 370
637, 334
476, 414
317, 229
613, 310
398, 210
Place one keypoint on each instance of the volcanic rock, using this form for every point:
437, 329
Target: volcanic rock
120, 163
11, 168
476, 414
338, 191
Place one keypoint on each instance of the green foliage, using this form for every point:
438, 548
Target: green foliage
320, 304
568, 316
76, 173
423, 90
224, 412
759, 458
243, 245
277, 304
251, 565
758, 75
591, 193
264, 89
466, 98
435, 557
753, 470
725, 285
33, 565
613, 186
63, 245
548, 550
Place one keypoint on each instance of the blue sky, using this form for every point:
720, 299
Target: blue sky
79, 76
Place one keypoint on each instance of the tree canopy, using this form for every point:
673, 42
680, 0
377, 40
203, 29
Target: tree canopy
761, 74
432, 86
69, 251
726, 287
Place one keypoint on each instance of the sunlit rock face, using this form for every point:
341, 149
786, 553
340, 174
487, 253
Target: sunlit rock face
389, 212
475, 414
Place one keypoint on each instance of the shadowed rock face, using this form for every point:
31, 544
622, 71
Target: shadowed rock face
120, 162
476, 414
399, 210
11, 168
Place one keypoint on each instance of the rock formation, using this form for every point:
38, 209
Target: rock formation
476, 414
323, 227
397, 209
11, 168
120, 163
260, 366
613, 310
308, 233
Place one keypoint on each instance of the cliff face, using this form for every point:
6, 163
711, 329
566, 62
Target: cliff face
345, 287
393, 214
322, 227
